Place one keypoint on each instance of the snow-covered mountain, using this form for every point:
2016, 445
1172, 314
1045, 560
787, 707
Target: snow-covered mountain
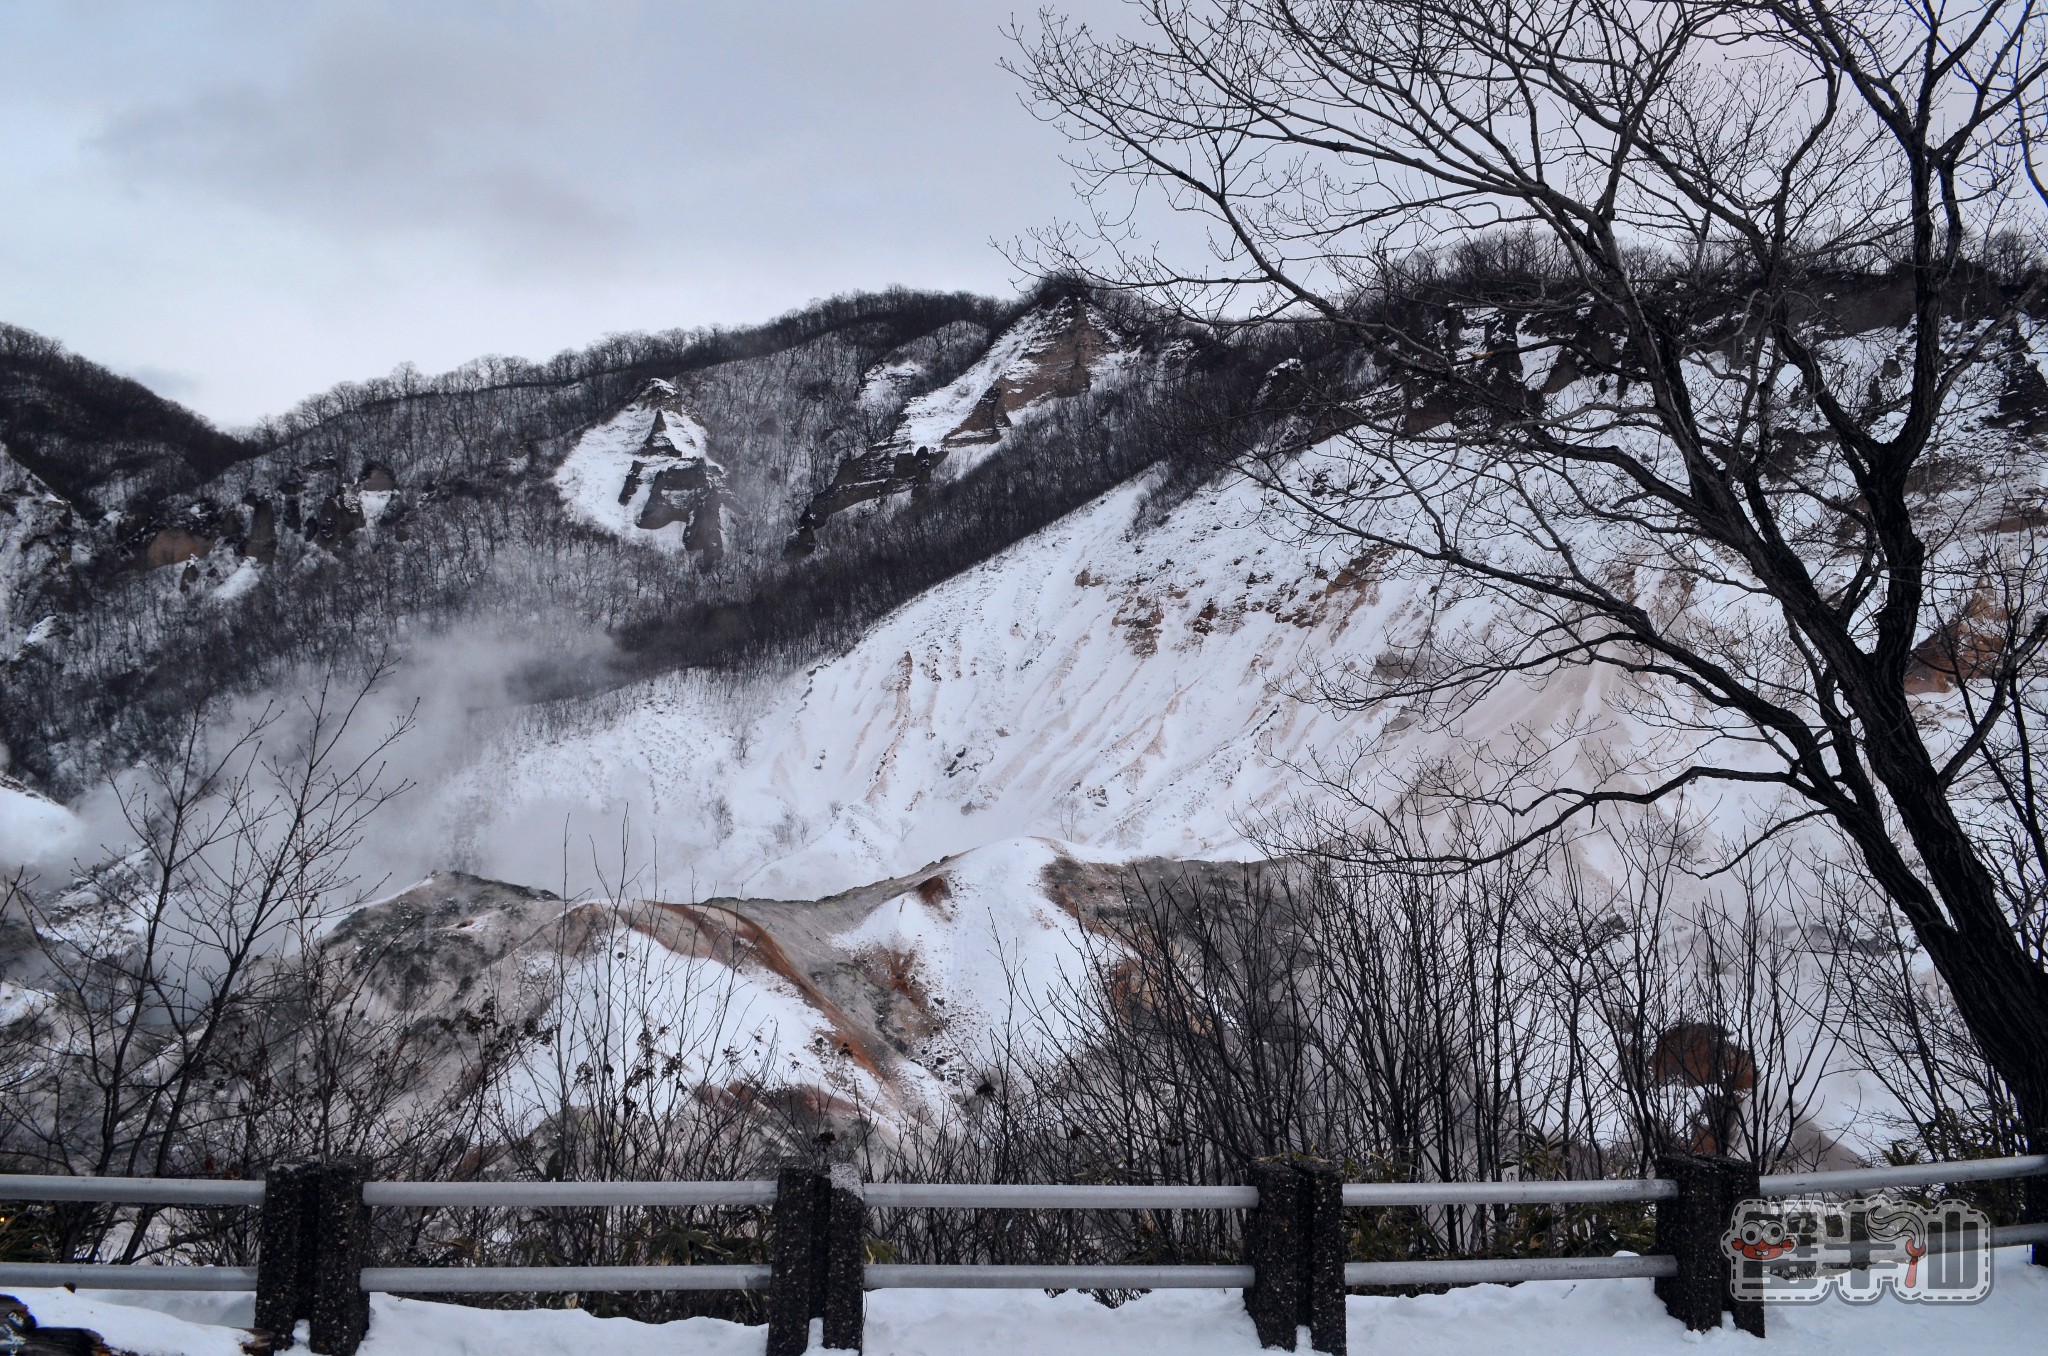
864, 637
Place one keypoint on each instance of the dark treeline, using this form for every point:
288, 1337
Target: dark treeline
99, 439
620, 363
483, 529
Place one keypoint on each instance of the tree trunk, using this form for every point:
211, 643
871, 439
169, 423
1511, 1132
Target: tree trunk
2001, 991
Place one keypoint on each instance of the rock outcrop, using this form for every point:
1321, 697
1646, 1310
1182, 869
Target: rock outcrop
648, 470
1053, 353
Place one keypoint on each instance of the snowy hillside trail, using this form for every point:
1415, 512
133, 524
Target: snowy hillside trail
1540, 1318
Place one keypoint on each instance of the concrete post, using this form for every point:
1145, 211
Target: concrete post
1689, 1228
843, 1305
1320, 1200
340, 1310
791, 1282
1294, 1243
1743, 1183
313, 1240
818, 1259
284, 1259
1272, 1249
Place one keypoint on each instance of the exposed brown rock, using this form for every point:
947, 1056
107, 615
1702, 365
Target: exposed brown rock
1701, 1055
174, 544
340, 517
261, 543
1061, 364
1964, 648
691, 494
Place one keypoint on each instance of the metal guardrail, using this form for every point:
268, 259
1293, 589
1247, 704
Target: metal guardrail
1910, 1174
107, 1276
1004, 1196
129, 1190
1509, 1193
998, 1196
2002, 1236
975, 1277
505, 1280
552, 1195
930, 1195
1483, 1270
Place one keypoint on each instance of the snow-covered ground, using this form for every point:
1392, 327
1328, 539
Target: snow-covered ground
1131, 692
1544, 1318
970, 953
35, 830
1128, 689
991, 954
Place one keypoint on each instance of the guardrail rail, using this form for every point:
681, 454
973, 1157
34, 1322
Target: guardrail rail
314, 1233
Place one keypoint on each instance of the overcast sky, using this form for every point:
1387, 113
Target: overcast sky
240, 204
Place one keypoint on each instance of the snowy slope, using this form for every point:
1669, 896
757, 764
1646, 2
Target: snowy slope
1138, 683
35, 831
1021, 698
1050, 352
886, 998
1126, 691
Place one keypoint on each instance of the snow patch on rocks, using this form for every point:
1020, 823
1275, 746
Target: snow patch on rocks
609, 476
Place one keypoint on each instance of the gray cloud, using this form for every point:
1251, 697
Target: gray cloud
272, 198
382, 126
165, 381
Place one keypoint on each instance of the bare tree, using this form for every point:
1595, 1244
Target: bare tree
163, 960
1687, 331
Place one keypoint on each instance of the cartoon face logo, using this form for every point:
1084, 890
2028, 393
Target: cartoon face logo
1760, 1238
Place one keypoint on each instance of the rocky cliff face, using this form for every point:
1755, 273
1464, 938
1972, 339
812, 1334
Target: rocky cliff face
39, 557
646, 475
873, 1003
1054, 353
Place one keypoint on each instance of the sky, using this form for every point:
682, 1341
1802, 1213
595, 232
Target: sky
240, 204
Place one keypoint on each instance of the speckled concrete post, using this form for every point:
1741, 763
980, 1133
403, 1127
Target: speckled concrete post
843, 1236
1743, 1182
793, 1279
1319, 1203
1272, 1247
284, 1259
340, 1310
1689, 1228
819, 1259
